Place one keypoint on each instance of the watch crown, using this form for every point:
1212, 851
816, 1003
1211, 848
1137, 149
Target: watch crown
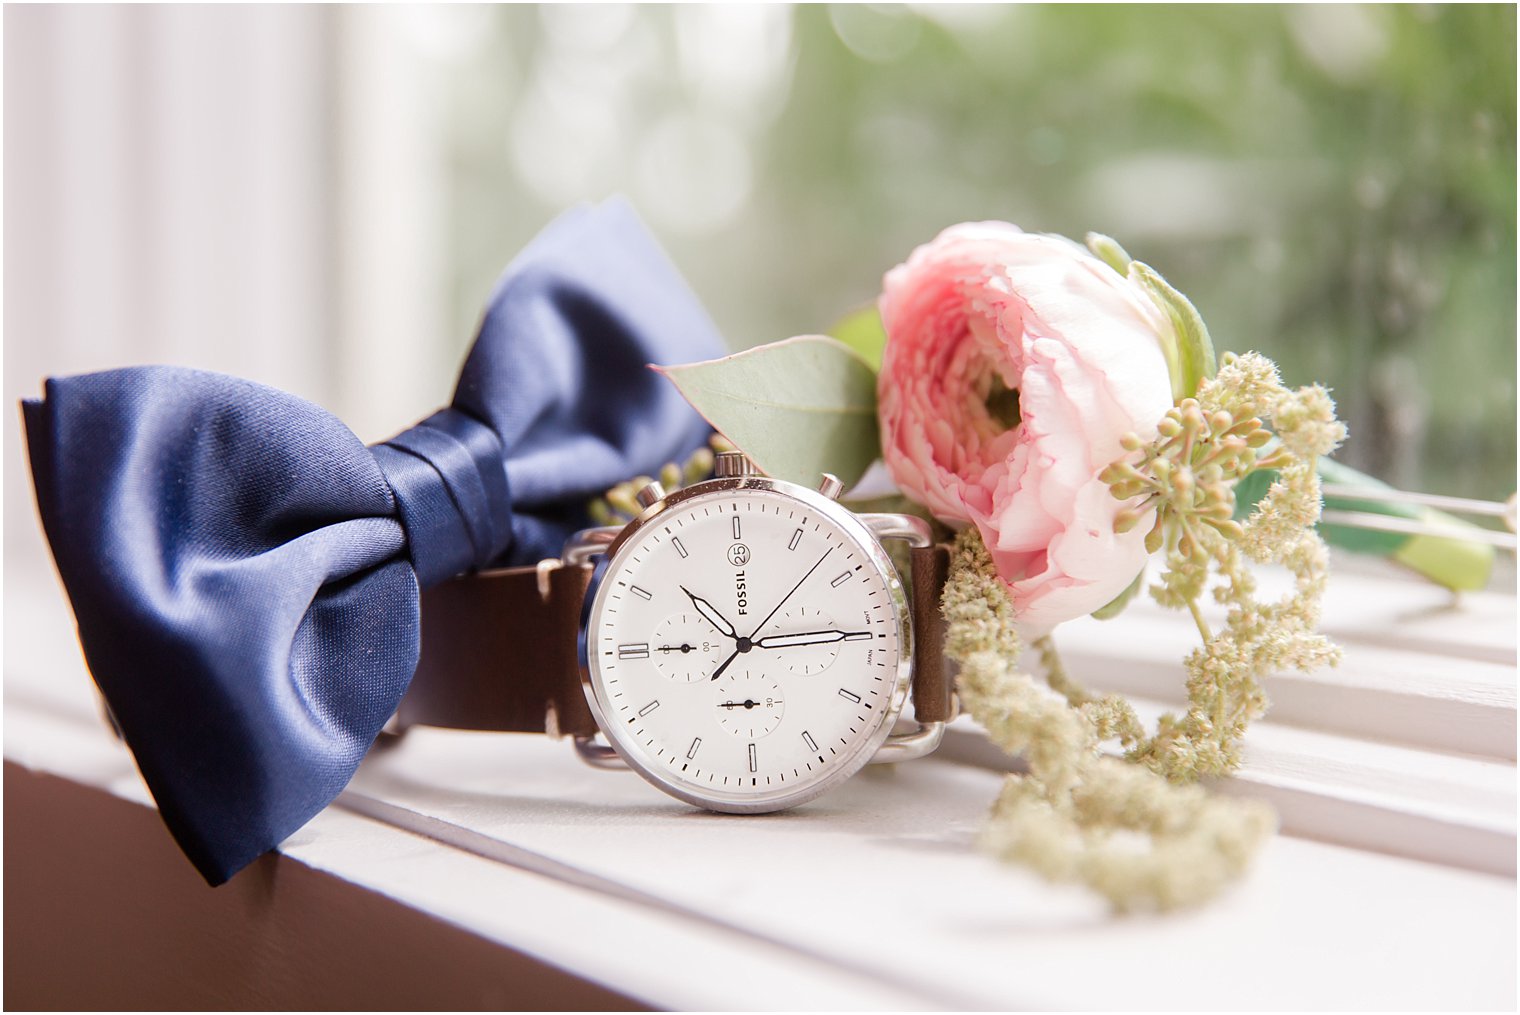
830, 486
729, 464
653, 493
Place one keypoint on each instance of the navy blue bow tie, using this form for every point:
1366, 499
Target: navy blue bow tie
245, 572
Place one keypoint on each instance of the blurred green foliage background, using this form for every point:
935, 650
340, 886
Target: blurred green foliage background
1334, 186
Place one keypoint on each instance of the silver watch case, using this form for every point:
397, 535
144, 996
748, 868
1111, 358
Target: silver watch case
868, 531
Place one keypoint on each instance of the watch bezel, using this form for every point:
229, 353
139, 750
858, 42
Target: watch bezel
783, 797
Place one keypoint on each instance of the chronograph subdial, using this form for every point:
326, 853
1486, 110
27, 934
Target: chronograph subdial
685, 647
807, 659
748, 704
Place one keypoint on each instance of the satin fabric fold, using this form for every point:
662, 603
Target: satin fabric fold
245, 572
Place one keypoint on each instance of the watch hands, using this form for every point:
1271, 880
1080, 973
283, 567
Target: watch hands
719, 671
683, 648
810, 638
761, 626
746, 703
744, 644
711, 615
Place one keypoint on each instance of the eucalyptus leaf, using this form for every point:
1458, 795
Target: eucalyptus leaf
798, 408
1193, 357
862, 331
1454, 563
1107, 250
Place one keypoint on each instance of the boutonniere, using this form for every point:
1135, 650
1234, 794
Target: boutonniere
1060, 413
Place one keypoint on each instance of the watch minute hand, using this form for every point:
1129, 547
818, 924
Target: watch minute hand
711, 615
810, 638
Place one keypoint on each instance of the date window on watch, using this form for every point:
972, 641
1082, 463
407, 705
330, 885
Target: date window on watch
738, 555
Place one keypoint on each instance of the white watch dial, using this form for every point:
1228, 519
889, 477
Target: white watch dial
745, 647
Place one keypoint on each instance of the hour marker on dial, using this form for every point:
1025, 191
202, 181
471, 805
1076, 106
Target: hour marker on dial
649, 707
849, 694
840, 580
812, 744
796, 538
680, 546
639, 650
641, 593
754, 765
736, 526
691, 752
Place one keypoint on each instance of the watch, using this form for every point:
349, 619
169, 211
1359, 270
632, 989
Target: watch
749, 644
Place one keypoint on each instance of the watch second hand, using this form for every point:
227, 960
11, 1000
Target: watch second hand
745, 644
761, 626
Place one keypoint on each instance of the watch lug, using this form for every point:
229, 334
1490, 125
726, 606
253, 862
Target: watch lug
598, 755
588, 543
914, 530
910, 746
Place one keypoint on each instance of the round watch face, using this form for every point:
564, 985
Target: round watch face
748, 646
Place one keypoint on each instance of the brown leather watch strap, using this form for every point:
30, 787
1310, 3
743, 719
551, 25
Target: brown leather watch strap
498, 655
933, 700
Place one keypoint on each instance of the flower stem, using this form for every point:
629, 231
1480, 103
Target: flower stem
1203, 626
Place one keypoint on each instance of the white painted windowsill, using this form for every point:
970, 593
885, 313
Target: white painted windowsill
1392, 885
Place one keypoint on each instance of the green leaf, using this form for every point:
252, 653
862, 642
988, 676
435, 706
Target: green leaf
798, 408
1454, 563
862, 331
1107, 250
1192, 359
1120, 601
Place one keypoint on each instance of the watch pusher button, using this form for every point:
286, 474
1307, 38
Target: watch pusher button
830, 486
732, 464
651, 494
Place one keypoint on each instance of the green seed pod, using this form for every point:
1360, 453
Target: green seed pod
621, 499
699, 466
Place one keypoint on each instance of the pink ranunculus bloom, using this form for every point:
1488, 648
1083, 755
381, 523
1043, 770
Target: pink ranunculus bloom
1014, 364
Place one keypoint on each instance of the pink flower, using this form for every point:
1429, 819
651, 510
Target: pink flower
1014, 364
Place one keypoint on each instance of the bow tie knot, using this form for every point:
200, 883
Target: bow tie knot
450, 482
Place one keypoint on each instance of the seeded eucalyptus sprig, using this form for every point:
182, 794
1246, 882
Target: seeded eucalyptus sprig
1187, 477
618, 506
1064, 816
1187, 474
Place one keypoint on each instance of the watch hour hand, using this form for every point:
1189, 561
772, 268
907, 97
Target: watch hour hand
810, 638
711, 615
